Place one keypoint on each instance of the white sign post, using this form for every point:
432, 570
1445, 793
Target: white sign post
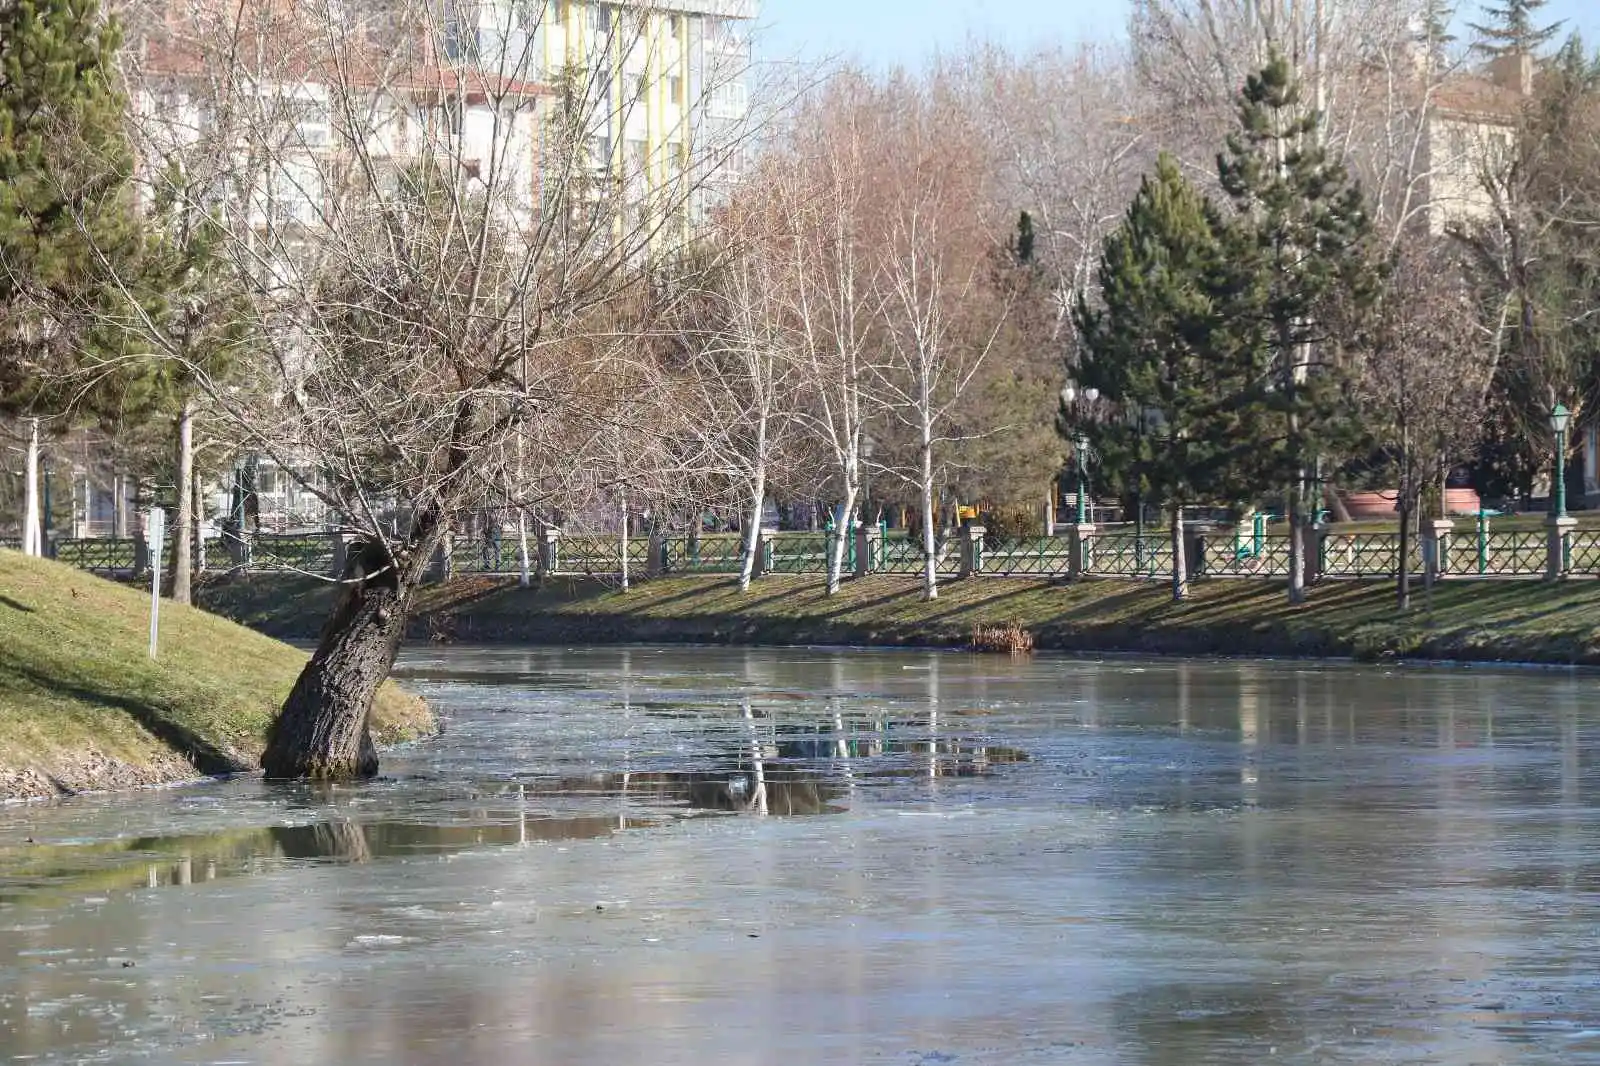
158, 521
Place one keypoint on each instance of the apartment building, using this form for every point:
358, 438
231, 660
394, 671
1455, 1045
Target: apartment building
664, 81
1471, 130
654, 88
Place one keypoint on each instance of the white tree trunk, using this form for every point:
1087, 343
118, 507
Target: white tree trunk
32, 533
524, 568
930, 564
198, 490
623, 543
841, 532
183, 543
1180, 564
752, 533
1297, 545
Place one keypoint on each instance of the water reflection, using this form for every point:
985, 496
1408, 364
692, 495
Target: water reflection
726, 855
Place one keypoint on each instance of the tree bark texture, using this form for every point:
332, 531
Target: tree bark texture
1180, 566
32, 526
322, 731
841, 532
752, 531
930, 544
183, 527
1403, 578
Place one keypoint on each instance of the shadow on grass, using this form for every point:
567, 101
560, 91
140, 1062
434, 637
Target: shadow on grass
200, 753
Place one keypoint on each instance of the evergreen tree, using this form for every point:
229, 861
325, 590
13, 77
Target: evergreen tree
1433, 34
65, 202
65, 208
1510, 29
1167, 359
1303, 235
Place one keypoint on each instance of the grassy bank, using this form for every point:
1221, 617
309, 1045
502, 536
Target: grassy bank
1485, 621
83, 707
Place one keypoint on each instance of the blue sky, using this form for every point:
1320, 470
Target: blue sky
883, 32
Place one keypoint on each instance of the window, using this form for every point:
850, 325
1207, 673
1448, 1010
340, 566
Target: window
675, 88
674, 26
311, 123
728, 100
556, 12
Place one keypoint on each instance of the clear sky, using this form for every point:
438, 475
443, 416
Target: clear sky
884, 32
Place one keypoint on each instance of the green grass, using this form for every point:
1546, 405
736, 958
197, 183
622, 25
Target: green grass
1494, 620
83, 706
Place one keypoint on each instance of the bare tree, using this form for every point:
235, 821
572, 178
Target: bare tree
438, 237
741, 372
822, 183
930, 265
1065, 135
1425, 378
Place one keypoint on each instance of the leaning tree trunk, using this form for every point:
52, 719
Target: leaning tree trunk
752, 529
322, 730
836, 549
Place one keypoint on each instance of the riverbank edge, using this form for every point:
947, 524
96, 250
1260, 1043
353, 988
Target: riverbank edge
83, 709
1529, 622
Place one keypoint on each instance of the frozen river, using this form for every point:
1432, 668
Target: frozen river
756, 856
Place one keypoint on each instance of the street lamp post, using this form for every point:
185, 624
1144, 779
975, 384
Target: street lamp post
1560, 526
1559, 417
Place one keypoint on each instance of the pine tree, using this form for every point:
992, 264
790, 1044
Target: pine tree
1303, 234
1181, 390
65, 208
65, 203
1433, 36
1510, 29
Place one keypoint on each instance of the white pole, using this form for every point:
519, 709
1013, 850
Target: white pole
158, 519
31, 534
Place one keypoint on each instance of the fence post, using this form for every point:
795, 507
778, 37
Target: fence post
141, 553
1194, 551
763, 561
1316, 553
656, 554
972, 550
867, 537
1558, 531
549, 551
1079, 540
1437, 533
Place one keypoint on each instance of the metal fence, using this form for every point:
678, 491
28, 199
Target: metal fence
1118, 551
721, 554
1266, 555
905, 555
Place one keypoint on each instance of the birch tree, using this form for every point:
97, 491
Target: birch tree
930, 266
